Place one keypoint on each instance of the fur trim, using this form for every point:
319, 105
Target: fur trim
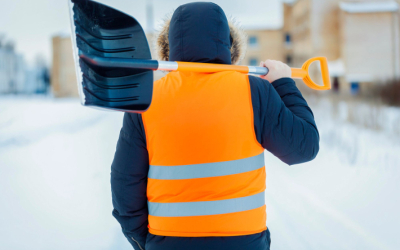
239, 41
161, 44
238, 49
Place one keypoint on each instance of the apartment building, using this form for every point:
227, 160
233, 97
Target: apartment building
263, 44
360, 38
369, 42
12, 69
63, 75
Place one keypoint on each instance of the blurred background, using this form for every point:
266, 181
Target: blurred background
55, 155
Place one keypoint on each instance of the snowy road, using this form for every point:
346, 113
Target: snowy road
55, 161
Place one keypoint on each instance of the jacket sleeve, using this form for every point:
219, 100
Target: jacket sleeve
129, 181
283, 121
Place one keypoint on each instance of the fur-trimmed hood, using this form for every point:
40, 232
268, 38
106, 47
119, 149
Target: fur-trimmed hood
200, 32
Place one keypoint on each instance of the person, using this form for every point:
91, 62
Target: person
189, 173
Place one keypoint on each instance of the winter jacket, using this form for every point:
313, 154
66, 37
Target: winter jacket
283, 125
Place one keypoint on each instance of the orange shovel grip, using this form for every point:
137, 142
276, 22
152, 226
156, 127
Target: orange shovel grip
305, 76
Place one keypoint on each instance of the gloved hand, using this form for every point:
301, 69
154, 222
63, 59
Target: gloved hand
277, 70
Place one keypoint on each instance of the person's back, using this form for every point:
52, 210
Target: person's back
189, 172
207, 175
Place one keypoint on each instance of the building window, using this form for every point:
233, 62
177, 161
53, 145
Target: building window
253, 62
289, 59
253, 41
336, 85
288, 38
354, 88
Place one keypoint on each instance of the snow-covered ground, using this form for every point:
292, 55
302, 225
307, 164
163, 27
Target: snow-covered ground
55, 159
348, 197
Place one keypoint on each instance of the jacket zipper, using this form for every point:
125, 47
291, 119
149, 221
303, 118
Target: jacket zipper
137, 243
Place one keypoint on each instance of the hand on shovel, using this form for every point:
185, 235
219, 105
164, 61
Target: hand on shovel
277, 70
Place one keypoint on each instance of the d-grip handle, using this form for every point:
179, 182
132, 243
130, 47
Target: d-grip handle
303, 74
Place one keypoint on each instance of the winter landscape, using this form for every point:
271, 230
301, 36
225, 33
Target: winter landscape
55, 158
55, 155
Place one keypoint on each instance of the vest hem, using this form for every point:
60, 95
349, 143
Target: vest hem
204, 234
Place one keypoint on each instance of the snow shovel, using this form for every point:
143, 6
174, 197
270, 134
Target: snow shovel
114, 66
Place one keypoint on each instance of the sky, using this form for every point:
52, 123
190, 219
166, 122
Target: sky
31, 24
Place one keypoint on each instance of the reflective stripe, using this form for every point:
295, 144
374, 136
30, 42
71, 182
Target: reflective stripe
197, 208
206, 169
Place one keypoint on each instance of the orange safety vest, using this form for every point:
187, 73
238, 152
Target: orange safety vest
207, 174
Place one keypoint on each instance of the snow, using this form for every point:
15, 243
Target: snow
55, 161
347, 197
369, 7
336, 68
55, 158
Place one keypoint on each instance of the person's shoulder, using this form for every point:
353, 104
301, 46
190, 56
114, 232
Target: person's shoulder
236, 74
161, 79
231, 76
258, 85
171, 78
258, 81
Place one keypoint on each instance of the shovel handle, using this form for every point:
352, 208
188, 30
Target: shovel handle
303, 74
212, 68
299, 73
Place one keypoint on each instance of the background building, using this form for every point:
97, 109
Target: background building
314, 29
63, 75
263, 44
360, 38
37, 77
311, 29
16, 77
369, 45
12, 69
286, 29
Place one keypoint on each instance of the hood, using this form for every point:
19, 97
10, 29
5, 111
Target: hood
200, 32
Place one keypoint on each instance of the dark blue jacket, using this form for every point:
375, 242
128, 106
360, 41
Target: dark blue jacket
283, 122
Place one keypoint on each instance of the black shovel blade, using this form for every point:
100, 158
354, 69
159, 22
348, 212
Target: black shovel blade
105, 32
